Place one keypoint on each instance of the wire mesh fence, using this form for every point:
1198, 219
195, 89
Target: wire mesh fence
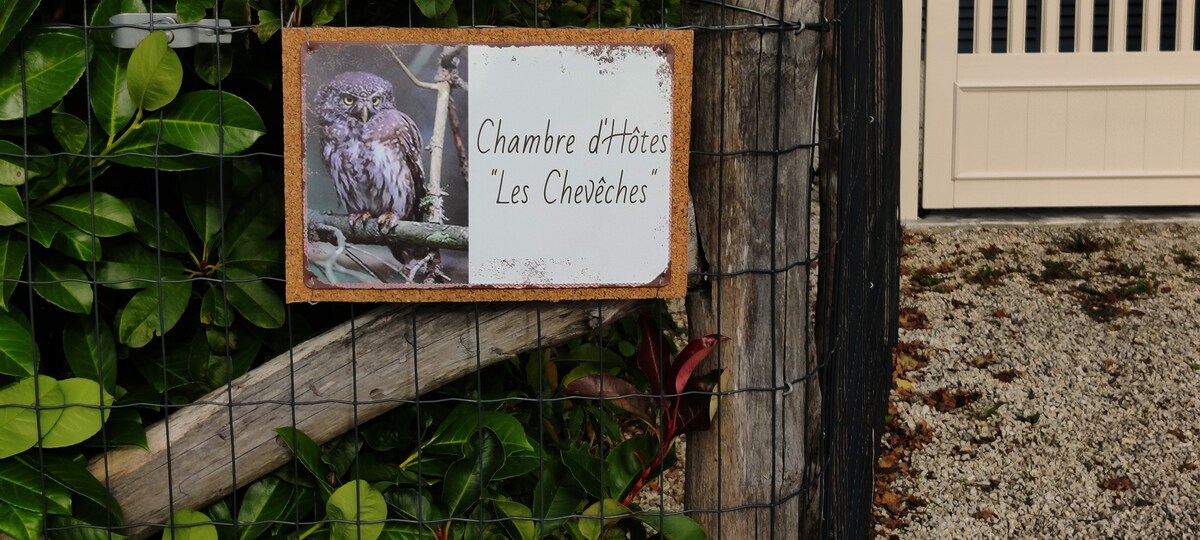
155, 384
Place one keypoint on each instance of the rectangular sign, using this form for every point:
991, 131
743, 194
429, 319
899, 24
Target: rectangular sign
486, 164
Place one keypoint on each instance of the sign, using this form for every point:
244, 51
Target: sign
486, 164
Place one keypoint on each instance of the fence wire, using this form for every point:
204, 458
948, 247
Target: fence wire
99, 262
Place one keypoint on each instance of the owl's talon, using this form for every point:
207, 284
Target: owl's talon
357, 219
388, 221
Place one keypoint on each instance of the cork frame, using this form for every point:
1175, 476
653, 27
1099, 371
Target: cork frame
300, 285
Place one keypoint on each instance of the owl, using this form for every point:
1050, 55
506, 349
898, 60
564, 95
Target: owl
372, 149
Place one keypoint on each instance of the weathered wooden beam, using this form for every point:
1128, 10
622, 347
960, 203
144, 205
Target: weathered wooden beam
385, 351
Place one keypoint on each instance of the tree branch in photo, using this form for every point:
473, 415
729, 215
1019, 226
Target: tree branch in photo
408, 233
447, 78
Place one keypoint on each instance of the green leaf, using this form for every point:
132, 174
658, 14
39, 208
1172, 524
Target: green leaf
210, 370
266, 500
462, 426
77, 423
207, 58
74, 476
18, 422
404, 531
340, 453
12, 164
237, 11
123, 428
556, 497
62, 283
257, 257
18, 354
590, 352
154, 227
468, 477
672, 526
131, 266
144, 149
12, 263
258, 215
53, 62
212, 122
140, 321
154, 73
308, 453
98, 211
12, 209
214, 310
77, 244
584, 467
21, 486
192, 10
190, 525
104, 11
91, 351
203, 204
45, 226
413, 506
600, 514
356, 502
323, 11
107, 91
625, 463
434, 8
520, 523
256, 301
13, 15
268, 24
69, 528
69, 131
20, 524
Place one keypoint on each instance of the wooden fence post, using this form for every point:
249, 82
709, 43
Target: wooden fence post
860, 245
751, 475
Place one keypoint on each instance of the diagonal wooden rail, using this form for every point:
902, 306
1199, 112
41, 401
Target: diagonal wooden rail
315, 383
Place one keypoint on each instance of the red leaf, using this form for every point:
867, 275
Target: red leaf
695, 411
616, 390
687, 360
649, 354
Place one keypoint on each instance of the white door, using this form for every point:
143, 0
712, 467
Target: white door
1045, 128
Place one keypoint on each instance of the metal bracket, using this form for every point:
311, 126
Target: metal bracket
132, 28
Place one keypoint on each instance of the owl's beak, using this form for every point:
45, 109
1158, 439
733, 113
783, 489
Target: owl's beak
365, 114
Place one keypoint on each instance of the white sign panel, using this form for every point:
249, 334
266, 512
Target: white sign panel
571, 166
466, 165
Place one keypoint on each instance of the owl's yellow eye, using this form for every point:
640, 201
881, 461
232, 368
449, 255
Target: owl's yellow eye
375, 101
348, 100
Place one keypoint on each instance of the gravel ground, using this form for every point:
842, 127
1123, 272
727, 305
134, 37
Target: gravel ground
1047, 384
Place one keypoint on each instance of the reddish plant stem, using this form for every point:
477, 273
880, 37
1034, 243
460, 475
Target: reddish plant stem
663, 448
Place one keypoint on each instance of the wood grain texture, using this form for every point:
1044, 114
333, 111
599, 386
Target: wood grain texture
755, 91
313, 389
858, 303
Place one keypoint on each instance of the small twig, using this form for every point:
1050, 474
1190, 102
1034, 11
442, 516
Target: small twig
417, 265
411, 77
456, 129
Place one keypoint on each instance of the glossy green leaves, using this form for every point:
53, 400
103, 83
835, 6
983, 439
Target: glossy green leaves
69, 410
154, 73
53, 61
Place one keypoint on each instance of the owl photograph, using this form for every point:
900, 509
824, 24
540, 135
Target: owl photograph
379, 213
